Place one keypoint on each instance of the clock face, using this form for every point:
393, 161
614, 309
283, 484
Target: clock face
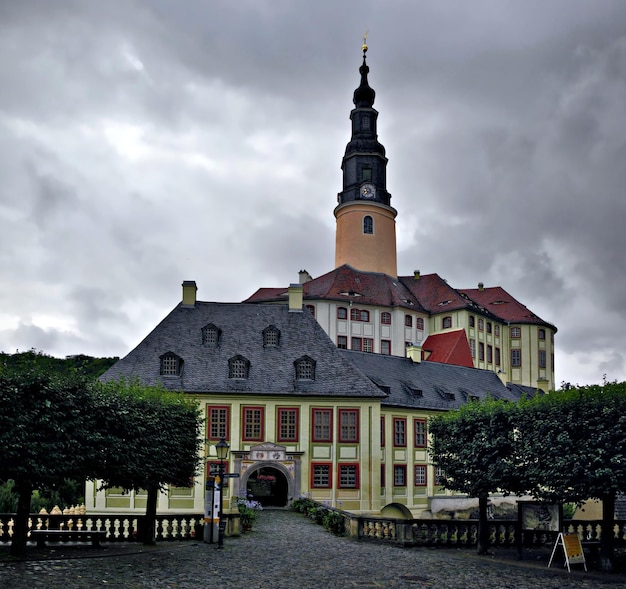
368, 191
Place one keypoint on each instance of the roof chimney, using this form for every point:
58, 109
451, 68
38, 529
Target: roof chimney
481, 286
416, 275
304, 276
295, 298
414, 352
189, 293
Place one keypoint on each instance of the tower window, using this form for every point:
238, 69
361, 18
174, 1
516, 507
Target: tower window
368, 225
365, 123
366, 173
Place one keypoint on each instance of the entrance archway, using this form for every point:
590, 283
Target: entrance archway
268, 486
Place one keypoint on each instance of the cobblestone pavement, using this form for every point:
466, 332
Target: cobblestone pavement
286, 551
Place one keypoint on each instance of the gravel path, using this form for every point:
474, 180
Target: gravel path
285, 551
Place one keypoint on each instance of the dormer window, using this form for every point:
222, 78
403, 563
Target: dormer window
238, 367
271, 336
171, 364
305, 368
211, 335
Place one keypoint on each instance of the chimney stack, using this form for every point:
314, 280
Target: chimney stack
189, 293
414, 352
295, 292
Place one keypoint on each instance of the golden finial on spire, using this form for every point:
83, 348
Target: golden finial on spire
364, 46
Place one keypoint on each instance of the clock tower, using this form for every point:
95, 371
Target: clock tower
366, 226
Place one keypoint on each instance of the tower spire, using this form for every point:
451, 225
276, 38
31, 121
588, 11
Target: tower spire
365, 236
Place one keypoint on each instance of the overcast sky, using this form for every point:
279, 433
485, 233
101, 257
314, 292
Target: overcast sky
147, 142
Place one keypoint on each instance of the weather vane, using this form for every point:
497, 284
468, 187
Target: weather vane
364, 46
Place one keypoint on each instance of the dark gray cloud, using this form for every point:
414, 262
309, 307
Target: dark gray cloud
143, 143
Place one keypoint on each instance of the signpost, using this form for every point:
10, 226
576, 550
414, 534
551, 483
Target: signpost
572, 548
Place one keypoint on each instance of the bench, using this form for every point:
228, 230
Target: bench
42, 536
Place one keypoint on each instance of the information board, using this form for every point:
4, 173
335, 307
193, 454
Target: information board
572, 548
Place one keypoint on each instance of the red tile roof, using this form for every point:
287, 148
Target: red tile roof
450, 347
429, 294
500, 303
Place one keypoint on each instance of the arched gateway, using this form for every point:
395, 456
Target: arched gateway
269, 473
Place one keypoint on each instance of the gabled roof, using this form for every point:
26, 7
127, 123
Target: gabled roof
205, 367
450, 347
434, 293
500, 303
428, 385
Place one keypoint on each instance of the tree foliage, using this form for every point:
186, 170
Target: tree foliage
55, 428
475, 447
80, 364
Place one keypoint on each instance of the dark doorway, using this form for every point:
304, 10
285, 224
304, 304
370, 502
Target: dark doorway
268, 486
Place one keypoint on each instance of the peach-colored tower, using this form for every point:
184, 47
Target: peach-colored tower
366, 225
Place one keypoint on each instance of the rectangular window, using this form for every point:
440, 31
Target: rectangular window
488, 326
541, 334
496, 330
473, 347
356, 344
383, 478
542, 358
342, 342
348, 476
385, 347
481, 351
408, 321
399, 432
516, 332
439, 476
516, 358
489, 354
342, 313
420, 433
399, 475
253, 422
382, 432
481, 324
368, 345
420, 475
288, 424
322, 425
385, 318
218, 419
498, 357
472, 321
320, 475
419, 323
348, 425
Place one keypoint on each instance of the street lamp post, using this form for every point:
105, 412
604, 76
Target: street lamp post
222, 453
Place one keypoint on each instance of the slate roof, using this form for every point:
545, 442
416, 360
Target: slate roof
272, 371
427, 293
428, 385
450, 347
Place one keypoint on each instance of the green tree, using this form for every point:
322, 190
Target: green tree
573, 445
151, 438
45, 435
475, 447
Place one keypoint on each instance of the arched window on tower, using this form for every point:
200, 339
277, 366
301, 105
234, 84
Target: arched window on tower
368, 225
